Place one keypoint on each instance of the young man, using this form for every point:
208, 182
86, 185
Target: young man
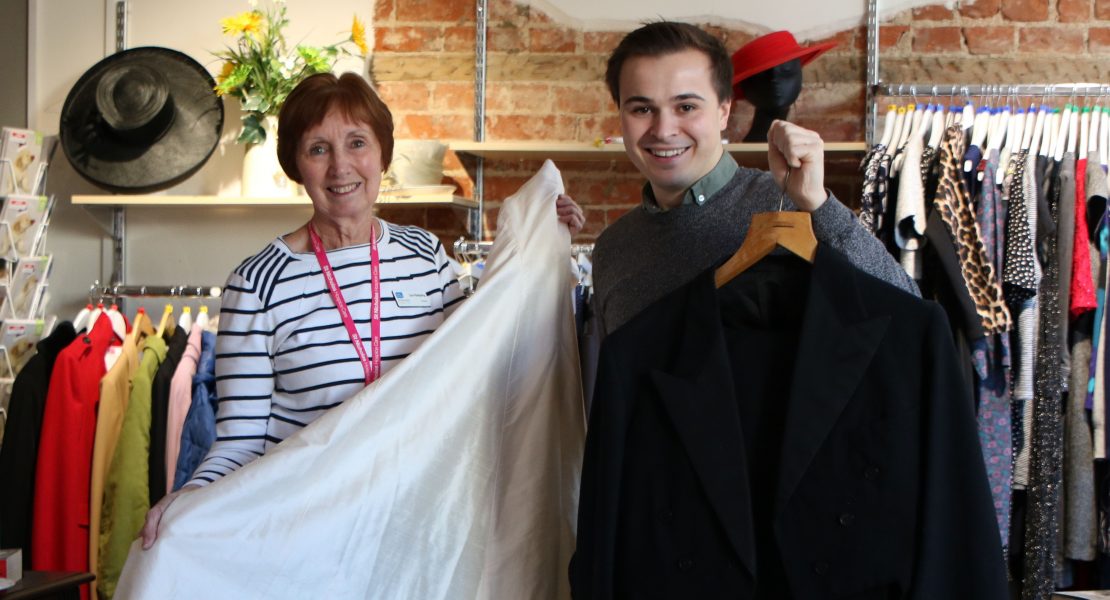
672, 84
802, 432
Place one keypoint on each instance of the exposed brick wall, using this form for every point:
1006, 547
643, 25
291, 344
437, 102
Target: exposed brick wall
544, 82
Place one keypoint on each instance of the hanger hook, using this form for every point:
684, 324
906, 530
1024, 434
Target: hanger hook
785, 182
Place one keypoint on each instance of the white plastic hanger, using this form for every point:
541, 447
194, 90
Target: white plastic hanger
978, 134
1014, 131
1104, 147
996, 137
913, 117
186, 320
913, 120
1013, 145
938, 128
910, 126
995, 129
899, 119
119, 326
1051, 132
1092, 144
888, 124
202, 317
1062, 134
82, 318
1073, 130
1034, 120
981, 126
926, 124
1084, 132
968, 115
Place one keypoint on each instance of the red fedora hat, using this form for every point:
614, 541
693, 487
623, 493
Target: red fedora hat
768, 51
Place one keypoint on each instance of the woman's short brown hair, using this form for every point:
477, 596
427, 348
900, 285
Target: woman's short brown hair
310, 102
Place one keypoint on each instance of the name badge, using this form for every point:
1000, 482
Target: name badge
412, 300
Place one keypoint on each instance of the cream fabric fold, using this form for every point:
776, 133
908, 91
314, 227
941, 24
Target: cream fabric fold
454, 476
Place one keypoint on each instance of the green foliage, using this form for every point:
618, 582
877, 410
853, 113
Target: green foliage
261, 71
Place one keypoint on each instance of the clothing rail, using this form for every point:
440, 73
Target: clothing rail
154, 291
1017, 89
482, 248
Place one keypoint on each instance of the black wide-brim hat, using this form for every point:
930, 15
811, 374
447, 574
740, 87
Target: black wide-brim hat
141, 120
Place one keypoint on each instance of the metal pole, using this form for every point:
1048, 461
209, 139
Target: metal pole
1020, 89
476, 224
872, 69
119, 215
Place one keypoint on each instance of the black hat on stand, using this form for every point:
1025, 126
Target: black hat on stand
141, 120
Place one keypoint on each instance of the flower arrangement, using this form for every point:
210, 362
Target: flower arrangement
261, 70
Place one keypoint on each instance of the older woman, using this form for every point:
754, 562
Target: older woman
323, 311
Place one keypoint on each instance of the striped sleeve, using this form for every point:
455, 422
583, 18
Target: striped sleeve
449, 281
244, 372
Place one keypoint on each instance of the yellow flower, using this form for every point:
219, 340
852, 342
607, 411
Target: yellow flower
226, 71
228, 68
358, 35
248, 23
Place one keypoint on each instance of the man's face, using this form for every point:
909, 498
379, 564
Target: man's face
671, 119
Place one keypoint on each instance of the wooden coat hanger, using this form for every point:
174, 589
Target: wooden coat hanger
792, 230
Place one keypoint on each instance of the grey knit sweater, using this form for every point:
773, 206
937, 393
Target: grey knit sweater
644, 255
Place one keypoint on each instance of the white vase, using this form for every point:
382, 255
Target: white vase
262, 174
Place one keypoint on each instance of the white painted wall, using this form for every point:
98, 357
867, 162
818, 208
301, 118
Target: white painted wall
164, 246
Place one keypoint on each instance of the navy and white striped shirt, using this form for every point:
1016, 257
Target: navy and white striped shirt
283, 355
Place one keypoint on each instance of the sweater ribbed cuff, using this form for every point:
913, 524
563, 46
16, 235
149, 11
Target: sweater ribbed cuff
832, 221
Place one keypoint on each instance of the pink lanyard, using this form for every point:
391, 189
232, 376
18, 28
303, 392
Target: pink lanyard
372, 370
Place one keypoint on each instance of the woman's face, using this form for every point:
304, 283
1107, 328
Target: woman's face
341, 167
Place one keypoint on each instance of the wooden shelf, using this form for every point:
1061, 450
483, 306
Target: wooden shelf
584, 151
394, 197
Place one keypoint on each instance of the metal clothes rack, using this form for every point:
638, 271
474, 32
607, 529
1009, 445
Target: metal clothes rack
464, 247
153, 291
875, 87
1044, 90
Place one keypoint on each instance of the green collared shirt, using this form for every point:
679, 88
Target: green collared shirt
702, 190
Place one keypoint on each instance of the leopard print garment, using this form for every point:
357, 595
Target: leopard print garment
874, 188
954, 204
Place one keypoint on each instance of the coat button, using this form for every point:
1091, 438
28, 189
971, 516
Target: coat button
666, 515
820, 567
847, 519
872, 473
685, 564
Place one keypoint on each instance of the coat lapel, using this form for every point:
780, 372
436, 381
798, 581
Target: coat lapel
838, 342
697, 393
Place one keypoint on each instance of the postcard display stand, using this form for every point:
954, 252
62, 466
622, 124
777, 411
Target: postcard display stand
24, 266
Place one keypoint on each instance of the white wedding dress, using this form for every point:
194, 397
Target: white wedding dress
454, 476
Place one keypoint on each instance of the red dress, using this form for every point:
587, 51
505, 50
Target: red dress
60, 531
